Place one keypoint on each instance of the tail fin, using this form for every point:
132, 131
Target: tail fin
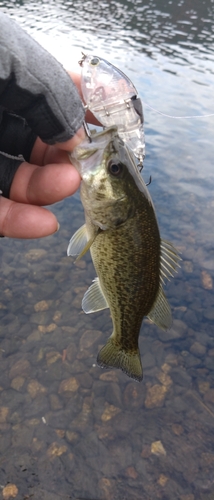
112, 355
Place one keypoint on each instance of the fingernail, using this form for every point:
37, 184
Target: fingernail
58, 226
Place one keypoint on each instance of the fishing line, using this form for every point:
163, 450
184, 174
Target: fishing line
177, 117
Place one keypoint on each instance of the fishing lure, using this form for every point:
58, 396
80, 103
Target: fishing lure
113, 99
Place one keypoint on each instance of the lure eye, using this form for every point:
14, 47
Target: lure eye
115, 169
95, 61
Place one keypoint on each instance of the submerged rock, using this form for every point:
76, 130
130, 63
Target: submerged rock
155, 396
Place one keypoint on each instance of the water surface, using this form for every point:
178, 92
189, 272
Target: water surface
67, 428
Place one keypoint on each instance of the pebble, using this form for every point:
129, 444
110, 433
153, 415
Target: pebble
157, 448
35, 336
109, 376
187, 497
21, 367
60, 433
89, 338
40, 318
209, 396
17, 383
192, 361
57, 316
131, 472
166, 368
113, 394
85, 380
55, 450
180, 376
107, 488
206, 280
207, 459
69, 385
55, 402
198, 349
35, 254
110, 412
81, 264
34, 388
4, 411
203, 387
187, 265
155, 396
209, 364
209, 313
52, 357
164, 379
146, 451
43, 305
177, 429
105, 431
148, 361
47, 329
71, 352
9, 491
134, 395
162, 480
72, 436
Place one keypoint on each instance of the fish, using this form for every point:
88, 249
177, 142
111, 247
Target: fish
113, 99
130, 259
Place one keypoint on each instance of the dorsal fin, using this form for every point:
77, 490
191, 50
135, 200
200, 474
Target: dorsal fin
168, 261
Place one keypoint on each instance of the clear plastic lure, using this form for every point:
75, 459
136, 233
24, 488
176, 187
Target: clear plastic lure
113, 100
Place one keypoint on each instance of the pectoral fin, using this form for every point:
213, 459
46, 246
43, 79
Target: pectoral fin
160, 313
79, 243
94, 299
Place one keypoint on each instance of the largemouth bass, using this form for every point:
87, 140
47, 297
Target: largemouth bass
129, 256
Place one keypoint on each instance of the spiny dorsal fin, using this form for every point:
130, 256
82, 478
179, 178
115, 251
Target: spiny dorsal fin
160, 313
168, 261
94, 299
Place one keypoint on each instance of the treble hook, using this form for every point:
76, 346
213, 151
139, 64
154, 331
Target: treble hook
140, 164
87, 131
82, 59
150, 180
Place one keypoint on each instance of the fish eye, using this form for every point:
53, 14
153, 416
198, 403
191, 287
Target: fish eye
95, 61
115, 169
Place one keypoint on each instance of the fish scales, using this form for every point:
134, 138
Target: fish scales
122, 233
130, 282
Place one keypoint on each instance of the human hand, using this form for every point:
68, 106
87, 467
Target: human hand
41, 113
48, 178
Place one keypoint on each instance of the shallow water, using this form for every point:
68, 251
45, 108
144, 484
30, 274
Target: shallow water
67, 428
